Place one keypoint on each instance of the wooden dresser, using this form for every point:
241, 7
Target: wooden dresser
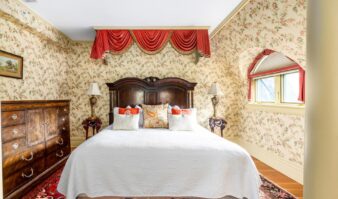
35, 142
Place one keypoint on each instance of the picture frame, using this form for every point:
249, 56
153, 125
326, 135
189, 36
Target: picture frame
11, 65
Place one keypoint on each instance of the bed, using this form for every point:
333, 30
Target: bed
158, 162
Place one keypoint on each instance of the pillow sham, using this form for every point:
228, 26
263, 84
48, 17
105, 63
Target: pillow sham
126, 121
155, 116
184, 121
140, 111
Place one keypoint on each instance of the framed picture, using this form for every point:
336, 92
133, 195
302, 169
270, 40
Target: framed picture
11, 65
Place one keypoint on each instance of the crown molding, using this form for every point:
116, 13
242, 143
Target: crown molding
32, 30
229, 17
43, 20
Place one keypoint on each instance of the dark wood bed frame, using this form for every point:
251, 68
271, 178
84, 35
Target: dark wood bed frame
151, 90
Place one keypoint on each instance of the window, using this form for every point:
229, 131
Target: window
275, 79
277, 89
265, 89
290, 87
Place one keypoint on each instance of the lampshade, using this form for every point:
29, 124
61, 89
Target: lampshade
93, 89
215, 89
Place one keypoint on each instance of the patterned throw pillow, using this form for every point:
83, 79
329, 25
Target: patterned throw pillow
155, 116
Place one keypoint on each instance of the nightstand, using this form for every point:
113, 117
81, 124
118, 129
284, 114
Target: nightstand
94, 123
217, 122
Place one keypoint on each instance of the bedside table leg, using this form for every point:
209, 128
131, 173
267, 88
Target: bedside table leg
86, 133
222, 128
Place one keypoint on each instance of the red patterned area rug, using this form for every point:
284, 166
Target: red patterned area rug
47, 190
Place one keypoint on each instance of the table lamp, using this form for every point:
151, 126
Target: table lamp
215, 90
93, 91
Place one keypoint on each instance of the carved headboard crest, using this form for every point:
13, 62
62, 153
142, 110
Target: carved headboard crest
151, 79
151, 90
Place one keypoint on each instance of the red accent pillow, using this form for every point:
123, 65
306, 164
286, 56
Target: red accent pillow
132, 111
175, 111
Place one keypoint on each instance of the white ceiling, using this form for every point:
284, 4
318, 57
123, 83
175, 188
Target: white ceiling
76, 18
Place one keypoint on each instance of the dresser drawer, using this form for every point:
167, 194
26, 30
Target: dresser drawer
22, 176
56, 156
12, 118
13, 132
20, 160
56, 143
35, 137
13, 147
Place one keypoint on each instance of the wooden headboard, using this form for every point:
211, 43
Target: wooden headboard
151, 90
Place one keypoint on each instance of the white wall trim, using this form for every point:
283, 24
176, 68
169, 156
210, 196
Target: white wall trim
288, 168
285, 109
229, 18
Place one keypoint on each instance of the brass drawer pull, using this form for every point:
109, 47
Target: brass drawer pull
27, 176
15, 131
59, 154
28, 159
59, 141
14, 116
15, 146
65, 110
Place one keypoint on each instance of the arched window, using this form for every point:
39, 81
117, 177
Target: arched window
276, 79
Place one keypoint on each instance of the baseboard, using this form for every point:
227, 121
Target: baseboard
76, 141
288, 168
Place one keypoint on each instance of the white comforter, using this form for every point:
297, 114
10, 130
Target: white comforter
159, 162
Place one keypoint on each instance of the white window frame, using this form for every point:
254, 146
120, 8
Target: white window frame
278, 105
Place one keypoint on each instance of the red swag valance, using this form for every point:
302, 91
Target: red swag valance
266, 52
151, 41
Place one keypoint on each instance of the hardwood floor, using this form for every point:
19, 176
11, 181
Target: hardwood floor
280, 179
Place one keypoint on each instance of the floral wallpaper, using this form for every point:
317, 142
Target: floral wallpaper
261, 24
135, 63
45, 66
63, 69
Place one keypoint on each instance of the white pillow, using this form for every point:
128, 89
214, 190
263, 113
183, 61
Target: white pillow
126, 121
183, 122
116, 111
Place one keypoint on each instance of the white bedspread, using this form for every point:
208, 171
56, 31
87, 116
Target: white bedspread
159, 162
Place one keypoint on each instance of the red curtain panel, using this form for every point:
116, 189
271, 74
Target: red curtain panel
151, 41
203, 43
184, 41
189, 41
115, 41
301, 85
